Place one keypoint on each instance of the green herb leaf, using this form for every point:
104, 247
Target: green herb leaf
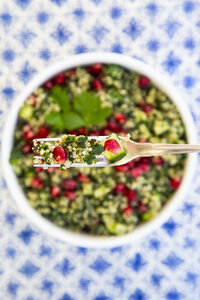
100, 116
89, 107
72, 120
59, 96
98, 149
54, 119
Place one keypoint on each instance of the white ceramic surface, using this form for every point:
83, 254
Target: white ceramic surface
83, 239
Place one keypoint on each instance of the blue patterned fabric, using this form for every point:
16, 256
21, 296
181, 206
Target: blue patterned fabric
164, 265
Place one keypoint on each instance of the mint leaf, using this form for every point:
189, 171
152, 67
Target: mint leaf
72, 120
59, 96
54, 119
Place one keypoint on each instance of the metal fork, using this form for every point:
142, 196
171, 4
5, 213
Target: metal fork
134, 150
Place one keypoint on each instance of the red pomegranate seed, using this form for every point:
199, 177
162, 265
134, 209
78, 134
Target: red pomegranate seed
120, 118
60, 79
27, 149
147, 109
112, 126
131, 195
128, 211
142, 104
73, 132
122, 168
60, 154
104, 132
145, 160
97, 85
143, 81
55, 191
119, 188
69, 184
142, 207
137, 171
94, 133
33, 99
112, 146
48, 85
43, 132
95, 69
175, 182
82, 131
36, 183
83, 178
145, 168
123, 131
70, 195
29, 135
158, 161
38, 169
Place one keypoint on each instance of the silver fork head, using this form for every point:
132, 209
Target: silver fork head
101, 159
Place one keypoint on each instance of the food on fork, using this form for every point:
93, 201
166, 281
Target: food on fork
70, 149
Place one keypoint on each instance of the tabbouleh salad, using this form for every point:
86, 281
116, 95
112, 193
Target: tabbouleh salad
94, 100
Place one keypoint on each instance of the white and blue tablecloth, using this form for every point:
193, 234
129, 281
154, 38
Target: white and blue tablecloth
166, 35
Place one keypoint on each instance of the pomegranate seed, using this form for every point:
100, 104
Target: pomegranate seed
142, 141
38, 169
36, 183
175, 182
60, 79
48, 85
120, 118
104, 132
144, 168
142, 207
70, 184
128, 211
70, 195
43, 132
60, 154
73, 132
82, 131
119, 188
145, 160
55, 191
112, 146
131, 195
27, 149
94, 133
29, 135
83, 178
32, 99
95, 69
158, 161
70, 73
123, 131
112, 126
147, 109
137, 171
142, 104
97, 85
143, 81
122, 168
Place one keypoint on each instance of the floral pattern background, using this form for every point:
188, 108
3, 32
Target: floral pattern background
166, 35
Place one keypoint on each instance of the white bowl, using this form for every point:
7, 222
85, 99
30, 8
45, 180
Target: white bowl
80, 239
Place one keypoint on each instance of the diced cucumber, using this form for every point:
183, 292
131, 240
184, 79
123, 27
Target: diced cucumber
26, 112
160, 127
113, 226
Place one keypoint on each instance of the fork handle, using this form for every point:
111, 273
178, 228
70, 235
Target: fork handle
148, 149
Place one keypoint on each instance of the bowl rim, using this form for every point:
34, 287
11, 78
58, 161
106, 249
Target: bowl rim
80, 239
